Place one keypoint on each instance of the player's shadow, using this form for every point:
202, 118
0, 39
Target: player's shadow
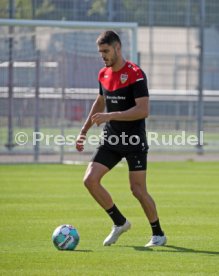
78, 250
174, 249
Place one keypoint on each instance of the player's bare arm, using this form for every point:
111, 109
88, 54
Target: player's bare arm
97, 107
139, 111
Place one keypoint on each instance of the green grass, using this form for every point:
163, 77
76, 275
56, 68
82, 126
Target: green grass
35, 199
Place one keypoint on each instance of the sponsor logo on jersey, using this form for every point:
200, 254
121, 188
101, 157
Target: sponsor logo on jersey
123, 78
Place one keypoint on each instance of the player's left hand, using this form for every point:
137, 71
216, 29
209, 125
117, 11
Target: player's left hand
100, 118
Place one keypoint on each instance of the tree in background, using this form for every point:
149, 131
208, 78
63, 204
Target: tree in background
41, 9
162, 13
98, 7
27, 9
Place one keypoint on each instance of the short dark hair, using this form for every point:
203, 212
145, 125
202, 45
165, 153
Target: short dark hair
108, 37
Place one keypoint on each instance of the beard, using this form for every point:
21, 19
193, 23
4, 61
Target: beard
112, 61
108, 64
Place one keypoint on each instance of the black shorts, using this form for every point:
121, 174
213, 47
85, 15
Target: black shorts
137, 161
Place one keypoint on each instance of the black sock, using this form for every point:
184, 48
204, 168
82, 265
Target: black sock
156, 229
116, 216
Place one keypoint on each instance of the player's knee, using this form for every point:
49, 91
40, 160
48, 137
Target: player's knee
136, 191
139, 190
90, 181
87, 181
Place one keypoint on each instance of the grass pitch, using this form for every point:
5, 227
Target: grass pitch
35, 199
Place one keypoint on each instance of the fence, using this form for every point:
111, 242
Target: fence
45, 127
51, 73
180, 13
168, 38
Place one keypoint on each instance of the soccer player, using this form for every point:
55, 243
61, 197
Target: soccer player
123, 91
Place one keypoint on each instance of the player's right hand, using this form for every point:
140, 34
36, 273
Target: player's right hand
80, 141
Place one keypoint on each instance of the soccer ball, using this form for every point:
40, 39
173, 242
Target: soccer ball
65, 237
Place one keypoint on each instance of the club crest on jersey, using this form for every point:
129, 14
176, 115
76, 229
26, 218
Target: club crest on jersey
123, 78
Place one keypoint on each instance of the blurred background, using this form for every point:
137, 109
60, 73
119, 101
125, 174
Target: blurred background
49, 65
